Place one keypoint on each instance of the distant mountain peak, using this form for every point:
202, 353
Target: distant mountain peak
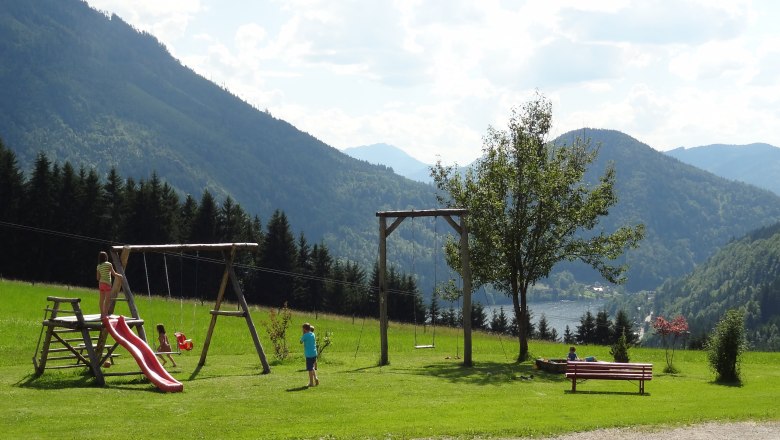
757, 163
391, 156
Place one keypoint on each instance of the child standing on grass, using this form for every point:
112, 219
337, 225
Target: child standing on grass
165, 346
105, 271
309, 341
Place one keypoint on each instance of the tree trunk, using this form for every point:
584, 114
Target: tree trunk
523, 325
521, 311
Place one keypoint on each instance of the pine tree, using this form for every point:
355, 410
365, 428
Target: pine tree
301, 283
279, 256
586, 331
568, 337
623, 326
12, 195
603, 333
543, 331
478, 316
499, 322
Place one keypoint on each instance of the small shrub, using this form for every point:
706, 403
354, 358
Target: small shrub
726, 345
277, 325
673, 330
323, 342
619, 351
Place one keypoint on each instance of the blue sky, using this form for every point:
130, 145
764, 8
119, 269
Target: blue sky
429, 76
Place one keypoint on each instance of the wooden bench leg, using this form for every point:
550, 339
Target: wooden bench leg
641, 387
573, 385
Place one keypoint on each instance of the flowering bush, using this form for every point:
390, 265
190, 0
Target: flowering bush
673, 330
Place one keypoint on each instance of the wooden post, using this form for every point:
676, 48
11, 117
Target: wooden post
466, 274
217, 305
383, 289
385, 231
120, 265
41, 367
245, 307
93, 356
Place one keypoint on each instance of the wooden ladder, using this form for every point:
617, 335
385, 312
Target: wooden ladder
57, 346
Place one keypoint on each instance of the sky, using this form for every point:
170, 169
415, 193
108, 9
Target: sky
430, 76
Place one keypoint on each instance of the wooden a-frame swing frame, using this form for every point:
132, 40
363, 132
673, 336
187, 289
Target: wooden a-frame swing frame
462, 230
120, 256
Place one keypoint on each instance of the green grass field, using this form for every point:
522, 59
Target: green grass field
423, 393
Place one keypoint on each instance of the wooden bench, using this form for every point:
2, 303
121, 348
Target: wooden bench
577, 370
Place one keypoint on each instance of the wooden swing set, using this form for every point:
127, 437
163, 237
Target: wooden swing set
462, 230
58, 322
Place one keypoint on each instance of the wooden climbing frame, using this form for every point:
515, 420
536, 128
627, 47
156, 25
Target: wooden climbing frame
120, 256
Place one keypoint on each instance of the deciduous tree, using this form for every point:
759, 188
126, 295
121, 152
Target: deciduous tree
530, 208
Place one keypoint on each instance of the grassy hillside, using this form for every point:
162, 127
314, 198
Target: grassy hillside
423, 393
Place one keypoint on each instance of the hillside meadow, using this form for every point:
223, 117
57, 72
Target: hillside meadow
423, 393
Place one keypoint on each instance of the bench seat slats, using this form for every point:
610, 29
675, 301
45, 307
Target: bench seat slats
608, 371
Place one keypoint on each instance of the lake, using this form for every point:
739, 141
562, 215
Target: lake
559, 314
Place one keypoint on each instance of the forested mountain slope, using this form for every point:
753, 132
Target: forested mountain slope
688, 213
90, 89
757, 164
744, 274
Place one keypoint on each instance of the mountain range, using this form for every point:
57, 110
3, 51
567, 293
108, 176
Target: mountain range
393, 157
757, 164
88, 88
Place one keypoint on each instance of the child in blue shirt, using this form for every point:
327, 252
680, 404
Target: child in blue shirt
309, 341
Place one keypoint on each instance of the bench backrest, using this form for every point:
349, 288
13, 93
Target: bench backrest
578, 367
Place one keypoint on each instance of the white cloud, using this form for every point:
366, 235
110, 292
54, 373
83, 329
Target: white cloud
430, 76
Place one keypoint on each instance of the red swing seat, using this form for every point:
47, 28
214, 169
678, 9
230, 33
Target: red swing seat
184, 343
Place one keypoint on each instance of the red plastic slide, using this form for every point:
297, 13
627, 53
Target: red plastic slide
143, 354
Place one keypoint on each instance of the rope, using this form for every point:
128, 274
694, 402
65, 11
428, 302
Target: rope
360, 337
146, 272
181, 291
167, 280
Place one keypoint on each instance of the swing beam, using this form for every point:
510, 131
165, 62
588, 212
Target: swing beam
121, 254
462, 230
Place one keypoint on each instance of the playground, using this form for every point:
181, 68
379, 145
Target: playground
421, 393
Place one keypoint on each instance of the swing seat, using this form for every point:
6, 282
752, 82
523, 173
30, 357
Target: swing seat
424, 346
184, 343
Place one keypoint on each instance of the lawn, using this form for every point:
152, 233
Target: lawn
422, 393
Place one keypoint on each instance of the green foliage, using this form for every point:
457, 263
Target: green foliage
586, 331
527, 201
568, 337
619, 350
744, 274
324, 342
276, 327
726, 346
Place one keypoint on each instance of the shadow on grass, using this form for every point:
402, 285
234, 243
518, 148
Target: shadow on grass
81, 381
488, 373
216, 373
613, 393
292, 390
727, 383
